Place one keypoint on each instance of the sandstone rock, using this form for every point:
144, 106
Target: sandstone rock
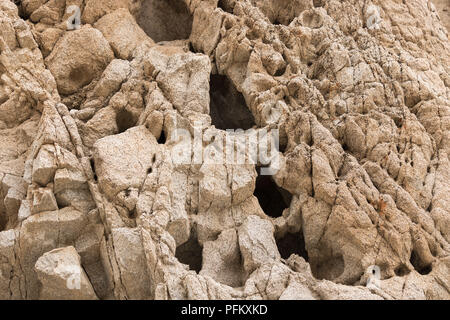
122, 161
62, 277
79, 57
257, 243
115, 163
122, 32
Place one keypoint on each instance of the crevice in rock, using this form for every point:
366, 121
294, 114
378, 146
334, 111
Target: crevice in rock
419, 265
190, 253
228, 108
124, 120
22, 13
92, 162
292, 243
272, 198
165, 20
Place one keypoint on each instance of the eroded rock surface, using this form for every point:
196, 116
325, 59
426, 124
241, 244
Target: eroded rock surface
104, 193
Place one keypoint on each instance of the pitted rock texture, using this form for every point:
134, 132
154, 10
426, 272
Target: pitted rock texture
94, 205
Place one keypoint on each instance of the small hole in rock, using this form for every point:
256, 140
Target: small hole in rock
345, 147
418, 265
150, 170
280, 72
132, 214
228, 109
272, 199
226, 5
162, 139
401, 270
124, 120
292, 243
165, 20
190, 253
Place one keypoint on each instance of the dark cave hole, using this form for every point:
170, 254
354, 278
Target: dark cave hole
124, 120
165, 20
226, 5
162, 138
190, 253
22, 13
292, 243
272, 198
228, 108
418, 265
401, 270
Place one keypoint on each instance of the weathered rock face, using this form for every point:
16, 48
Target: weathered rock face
119, 178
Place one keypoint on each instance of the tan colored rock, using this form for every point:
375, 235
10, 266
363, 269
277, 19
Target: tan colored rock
78, 58
94, 123
122, 33
256, 243
62, 276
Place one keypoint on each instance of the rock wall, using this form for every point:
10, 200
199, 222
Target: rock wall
117, 180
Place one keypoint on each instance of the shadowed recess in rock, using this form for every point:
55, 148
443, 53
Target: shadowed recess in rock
162, 138
228, 109
226, 5
272, 199
124, 120
420, 266
329, 268
165, 20
190, 253
292, 243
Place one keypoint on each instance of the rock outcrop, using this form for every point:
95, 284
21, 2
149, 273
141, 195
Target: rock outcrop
232, 149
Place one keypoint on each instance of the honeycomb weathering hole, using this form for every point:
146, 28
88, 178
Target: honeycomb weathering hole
190, 253
165, 20
292, 243
228, 108
419, 265
272, 199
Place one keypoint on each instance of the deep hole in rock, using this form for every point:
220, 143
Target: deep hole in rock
162, 138
272, 199
228, 109
190, 253
21, 11
165, 20
124, 120
292, 243
420, 267
226, 5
